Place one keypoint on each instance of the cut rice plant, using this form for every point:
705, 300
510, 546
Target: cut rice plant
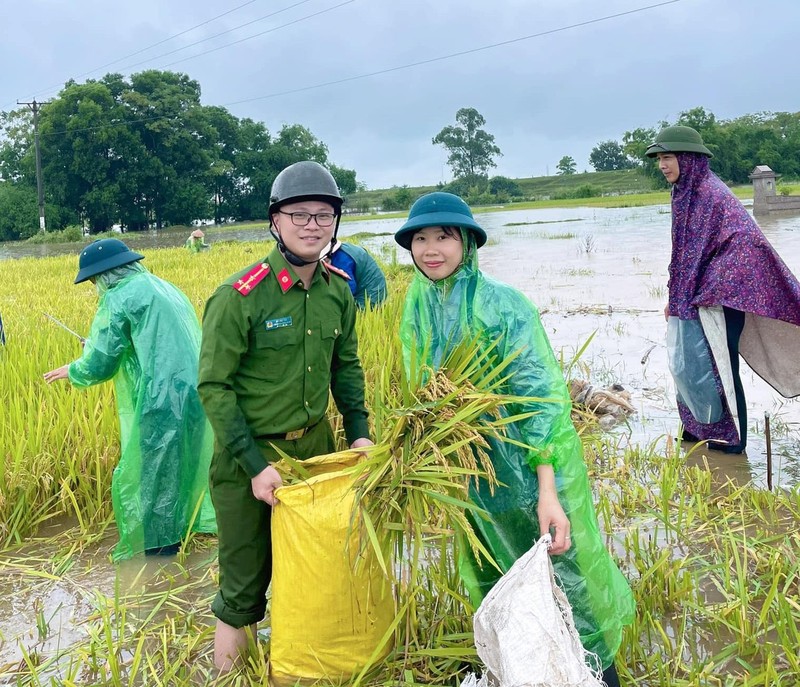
715, 565
412, 505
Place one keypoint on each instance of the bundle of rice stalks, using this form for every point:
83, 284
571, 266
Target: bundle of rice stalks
412, 504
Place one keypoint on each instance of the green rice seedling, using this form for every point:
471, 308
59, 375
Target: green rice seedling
578, 272
657, 291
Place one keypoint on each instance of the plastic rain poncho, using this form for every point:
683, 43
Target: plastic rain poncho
438, 316
146, 336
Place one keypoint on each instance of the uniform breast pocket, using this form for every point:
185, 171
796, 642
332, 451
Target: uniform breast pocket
330, 330
276, 351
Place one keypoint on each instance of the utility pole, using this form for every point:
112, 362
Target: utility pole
39, 181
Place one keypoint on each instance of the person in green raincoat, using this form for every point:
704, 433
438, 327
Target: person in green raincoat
544, 488
146, 336
196, 242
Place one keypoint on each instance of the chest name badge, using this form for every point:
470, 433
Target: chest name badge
278, 323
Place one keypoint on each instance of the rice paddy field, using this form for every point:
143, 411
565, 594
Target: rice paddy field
712, 555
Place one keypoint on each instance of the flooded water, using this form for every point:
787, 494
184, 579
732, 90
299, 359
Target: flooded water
602, 272
54, 599
598, 272
592, 272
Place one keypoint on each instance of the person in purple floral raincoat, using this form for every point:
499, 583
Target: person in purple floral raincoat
730, 294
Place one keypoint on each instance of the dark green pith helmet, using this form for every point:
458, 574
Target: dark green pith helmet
104, 255
439, 209
678, 139
305, 180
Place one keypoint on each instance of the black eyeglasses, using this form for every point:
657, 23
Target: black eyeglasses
301, 219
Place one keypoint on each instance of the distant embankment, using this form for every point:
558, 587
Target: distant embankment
557, 187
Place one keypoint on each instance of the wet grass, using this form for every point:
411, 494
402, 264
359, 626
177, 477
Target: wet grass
542, 221
578, 272
715, 565
562, 236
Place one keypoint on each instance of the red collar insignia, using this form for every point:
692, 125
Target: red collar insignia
245, 285
285, 280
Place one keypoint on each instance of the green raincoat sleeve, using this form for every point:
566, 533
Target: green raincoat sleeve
439, 315
145, 335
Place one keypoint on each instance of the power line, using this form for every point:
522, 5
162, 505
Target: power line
452, 55
400, 67
242, 40
150, 47
227, 45
222, 33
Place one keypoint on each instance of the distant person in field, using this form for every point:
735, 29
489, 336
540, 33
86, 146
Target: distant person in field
364, 276
730, 294
146, 337
196, 242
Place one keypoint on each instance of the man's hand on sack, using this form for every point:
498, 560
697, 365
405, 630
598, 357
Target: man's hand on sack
265, 483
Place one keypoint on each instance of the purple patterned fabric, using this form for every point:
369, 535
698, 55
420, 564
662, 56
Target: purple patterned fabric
720, 257
719, 254
723, 432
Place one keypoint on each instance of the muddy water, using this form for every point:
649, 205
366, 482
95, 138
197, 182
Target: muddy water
615, 266
602, 272
598, 272
591, 271
56, 593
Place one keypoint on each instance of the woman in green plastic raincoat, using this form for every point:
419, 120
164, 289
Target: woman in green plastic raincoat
145, 335
544, 488
196, 242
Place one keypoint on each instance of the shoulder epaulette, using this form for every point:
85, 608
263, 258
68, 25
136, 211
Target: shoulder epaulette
256, 275
336, 270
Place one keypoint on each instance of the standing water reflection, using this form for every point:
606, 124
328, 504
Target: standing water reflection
589, 270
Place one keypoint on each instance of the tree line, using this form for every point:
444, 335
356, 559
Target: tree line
142, 152
738, 145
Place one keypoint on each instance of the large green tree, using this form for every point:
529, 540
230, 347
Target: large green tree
176, 178
471, 150
738, 145
86, 152
566, 165
608, 156
142, 151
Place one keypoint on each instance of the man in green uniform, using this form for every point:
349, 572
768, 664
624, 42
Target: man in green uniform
276, 338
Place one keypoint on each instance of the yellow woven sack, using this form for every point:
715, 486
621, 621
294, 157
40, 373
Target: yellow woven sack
327, 621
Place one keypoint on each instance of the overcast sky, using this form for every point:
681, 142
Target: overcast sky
545, 97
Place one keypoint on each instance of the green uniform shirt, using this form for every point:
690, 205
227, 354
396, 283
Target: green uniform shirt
268, 359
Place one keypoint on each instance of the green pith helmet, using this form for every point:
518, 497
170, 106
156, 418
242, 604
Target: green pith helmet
678, 139
104, 255
305, 180
438, 209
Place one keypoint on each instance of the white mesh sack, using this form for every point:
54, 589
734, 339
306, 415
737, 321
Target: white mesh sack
524, 632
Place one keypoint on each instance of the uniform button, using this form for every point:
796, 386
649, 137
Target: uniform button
309, 368
336, 331
308, 295
309, 332
306, 403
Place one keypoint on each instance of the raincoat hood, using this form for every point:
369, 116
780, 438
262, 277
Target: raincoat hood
721, 258
429, 296
720, 255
